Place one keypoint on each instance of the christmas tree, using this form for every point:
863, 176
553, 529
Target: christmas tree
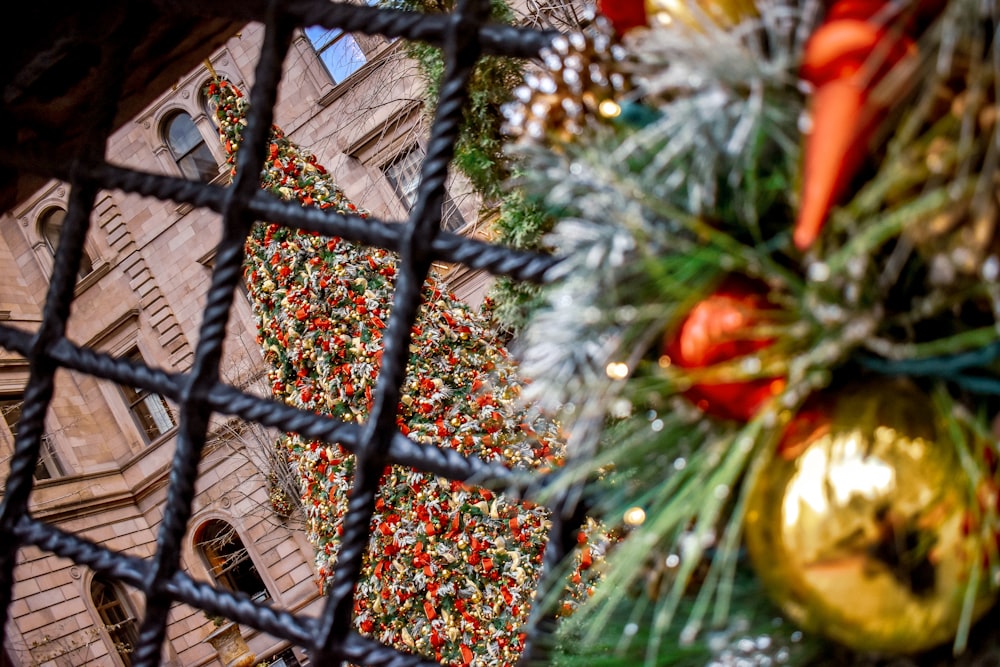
778, 320
450, 569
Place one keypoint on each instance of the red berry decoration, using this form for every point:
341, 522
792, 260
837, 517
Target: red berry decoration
623, 14
719, 329
845, 59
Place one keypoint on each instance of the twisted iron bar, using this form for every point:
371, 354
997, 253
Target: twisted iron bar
194, 410
227, 400
55, 315
133, 571
461, 53
521, 265
493, 38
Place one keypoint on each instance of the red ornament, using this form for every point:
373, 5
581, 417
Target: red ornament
718, 330
623, 14
845, 59
811, 423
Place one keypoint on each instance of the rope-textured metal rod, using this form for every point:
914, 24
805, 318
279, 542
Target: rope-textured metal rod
520, 265
494, 39
16, 340
194, 412
127, 569
232, 402
567, 517
447, 247
55, 315
240, 608
182, 587
461, 53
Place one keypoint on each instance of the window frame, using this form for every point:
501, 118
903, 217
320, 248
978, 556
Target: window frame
111, 631
452, 219
138, 396
48, 460
121, 339
321, 46
179, 157
223, 576
51, 241
31, 214
281, 658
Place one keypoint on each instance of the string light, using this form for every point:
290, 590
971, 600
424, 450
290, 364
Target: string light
635, 516
617, 370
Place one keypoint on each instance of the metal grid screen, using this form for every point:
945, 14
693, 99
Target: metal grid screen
463, 35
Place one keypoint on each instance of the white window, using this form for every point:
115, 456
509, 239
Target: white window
187, 146
403, 174
149, 409
48, 465
339, 51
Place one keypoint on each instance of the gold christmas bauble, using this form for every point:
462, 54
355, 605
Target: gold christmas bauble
856, 527
724, 13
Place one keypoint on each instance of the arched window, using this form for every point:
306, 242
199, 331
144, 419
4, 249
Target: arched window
50, 226
189, 149
228, 560
118, 619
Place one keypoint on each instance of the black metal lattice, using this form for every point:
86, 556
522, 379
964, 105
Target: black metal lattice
463, 35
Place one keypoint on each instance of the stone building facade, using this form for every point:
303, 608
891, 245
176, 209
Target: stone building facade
353, 101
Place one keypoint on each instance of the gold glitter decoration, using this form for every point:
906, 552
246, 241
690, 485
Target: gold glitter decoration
692, 13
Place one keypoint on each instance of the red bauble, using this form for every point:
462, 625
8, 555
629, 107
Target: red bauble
719, 329
623, 14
